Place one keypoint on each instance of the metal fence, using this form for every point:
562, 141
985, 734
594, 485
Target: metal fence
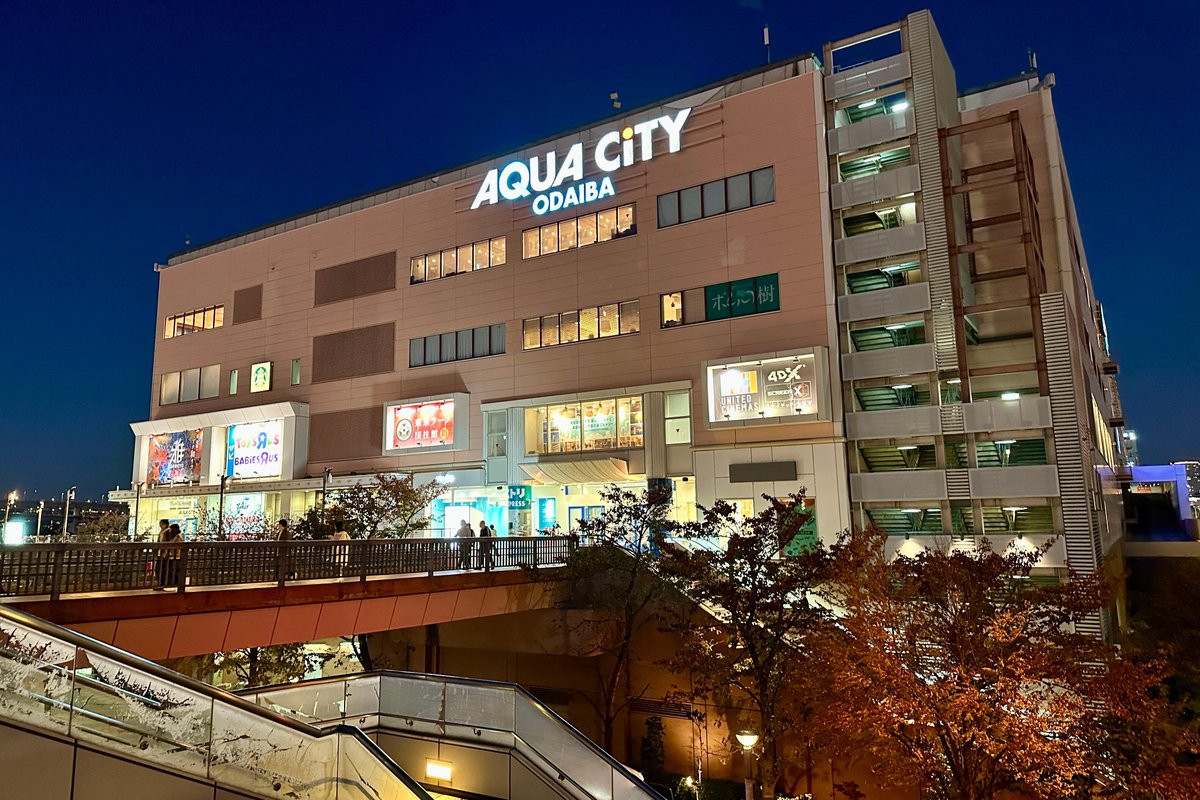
74, 568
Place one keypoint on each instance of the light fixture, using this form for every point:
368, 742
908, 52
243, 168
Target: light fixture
899, 386
868, 104
1005, 441
901, 106
955, 381
897, 327
438, 770
910, 511
893, 268
906, 447
1010, 396
747, 739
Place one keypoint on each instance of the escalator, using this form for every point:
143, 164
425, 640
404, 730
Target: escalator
80, 716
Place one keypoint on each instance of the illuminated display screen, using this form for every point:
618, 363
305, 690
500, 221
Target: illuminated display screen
764, 389
174, 457
255, 450
420, 425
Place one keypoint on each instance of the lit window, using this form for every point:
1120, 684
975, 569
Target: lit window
201, 319
464, 258
584, 230
532, 246
295, 372
605, 424
499, 246
678, 412
672, 309
588, 327
721, 301
233, 381
550, 330
568, 327
609, 323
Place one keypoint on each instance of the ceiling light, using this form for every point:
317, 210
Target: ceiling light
898, 327
867, 104
907, 447
955, 380
901, 106
901, 386
910, 511
1006, 441
1015, 508
1010, 396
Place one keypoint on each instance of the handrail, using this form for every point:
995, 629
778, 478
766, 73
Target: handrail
517, 689
78, 643
54, 570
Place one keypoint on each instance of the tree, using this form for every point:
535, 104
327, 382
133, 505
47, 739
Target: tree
111, 526
967, 678
754, 639
654, 753
613, 579
266, 666
392, 506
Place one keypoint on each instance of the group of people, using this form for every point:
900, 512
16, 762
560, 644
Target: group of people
167, 568
466, 546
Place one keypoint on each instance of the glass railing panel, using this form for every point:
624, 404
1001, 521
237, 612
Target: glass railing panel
36, 677
121, 708
312, 704
572, 756
412, 698
362, 697
480, 706
255, 754
364, 776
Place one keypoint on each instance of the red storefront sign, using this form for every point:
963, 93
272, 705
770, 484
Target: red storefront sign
413, 425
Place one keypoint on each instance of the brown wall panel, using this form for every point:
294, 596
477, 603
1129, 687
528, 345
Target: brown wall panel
247, 304
355, 279
340, 435
349, 354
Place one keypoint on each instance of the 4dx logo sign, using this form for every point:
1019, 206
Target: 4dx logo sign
786, 375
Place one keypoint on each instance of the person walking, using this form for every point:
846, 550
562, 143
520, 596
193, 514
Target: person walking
160, 555
169, 555
341, 552
283, 535
486, 535
464, 534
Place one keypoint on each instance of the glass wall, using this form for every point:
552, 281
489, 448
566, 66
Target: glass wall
607, 424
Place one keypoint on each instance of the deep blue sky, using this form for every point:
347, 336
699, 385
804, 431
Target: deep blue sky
126, 128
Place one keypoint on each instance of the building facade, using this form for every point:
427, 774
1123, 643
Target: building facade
850, 278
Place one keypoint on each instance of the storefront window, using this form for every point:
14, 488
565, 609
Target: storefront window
604, 424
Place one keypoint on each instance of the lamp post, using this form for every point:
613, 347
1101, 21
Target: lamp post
67, 509
13, 496
747, 739
221, 509
137, 506
41, 508
325, 476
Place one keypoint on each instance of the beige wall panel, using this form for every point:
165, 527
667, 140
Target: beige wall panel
101, 777
35, 767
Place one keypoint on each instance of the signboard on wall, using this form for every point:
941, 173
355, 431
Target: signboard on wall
784, 388
520, 498
260, 377
425, 424
174, 457
255, 450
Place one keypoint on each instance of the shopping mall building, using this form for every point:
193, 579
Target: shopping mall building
834, 273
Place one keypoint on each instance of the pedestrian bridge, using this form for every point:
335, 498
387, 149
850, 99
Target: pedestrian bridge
165, 601
102, 724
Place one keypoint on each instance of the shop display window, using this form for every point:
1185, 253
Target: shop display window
604, 424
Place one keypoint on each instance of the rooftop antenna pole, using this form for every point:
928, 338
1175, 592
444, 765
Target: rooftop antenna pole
1032, 59
767, 42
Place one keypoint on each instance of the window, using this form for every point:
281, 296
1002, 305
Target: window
595, 322
233, 381
569, 234
717, 197
738, 298
453, 261
193, 321
441, 348
604, 424
198, 383
678, 412
295, 372
497, 433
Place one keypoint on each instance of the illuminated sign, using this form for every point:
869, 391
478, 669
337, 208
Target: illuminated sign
781, 389
174, 457
260, 377
520, 498
542, 177
426, 424
255, 450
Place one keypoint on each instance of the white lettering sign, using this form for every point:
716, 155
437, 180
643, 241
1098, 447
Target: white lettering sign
542, 176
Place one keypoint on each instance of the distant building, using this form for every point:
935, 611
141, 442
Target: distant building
26, 523
1129, 441
1157, 505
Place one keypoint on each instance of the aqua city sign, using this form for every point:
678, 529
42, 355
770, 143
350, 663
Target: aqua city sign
543, 177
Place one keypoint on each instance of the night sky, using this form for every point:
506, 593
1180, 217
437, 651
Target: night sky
126, 129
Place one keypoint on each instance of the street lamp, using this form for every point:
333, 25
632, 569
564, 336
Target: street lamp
67, 509
41, 508
221, 510
137, 506
325, 476
13, 496
747, 739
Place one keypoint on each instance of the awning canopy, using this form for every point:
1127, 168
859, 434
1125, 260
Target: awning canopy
592, 470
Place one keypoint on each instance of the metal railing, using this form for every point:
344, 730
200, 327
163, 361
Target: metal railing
56, 680
72, 568
477, 712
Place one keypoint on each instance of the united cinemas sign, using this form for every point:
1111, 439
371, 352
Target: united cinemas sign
555, 186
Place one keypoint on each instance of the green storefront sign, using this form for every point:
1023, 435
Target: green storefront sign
742, 297
520, 498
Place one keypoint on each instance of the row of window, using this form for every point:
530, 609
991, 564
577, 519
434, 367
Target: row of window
439, 348
202, 319
465, 258
717, 197
608, 424
721, 301
198, 383
599, 226
580, 325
